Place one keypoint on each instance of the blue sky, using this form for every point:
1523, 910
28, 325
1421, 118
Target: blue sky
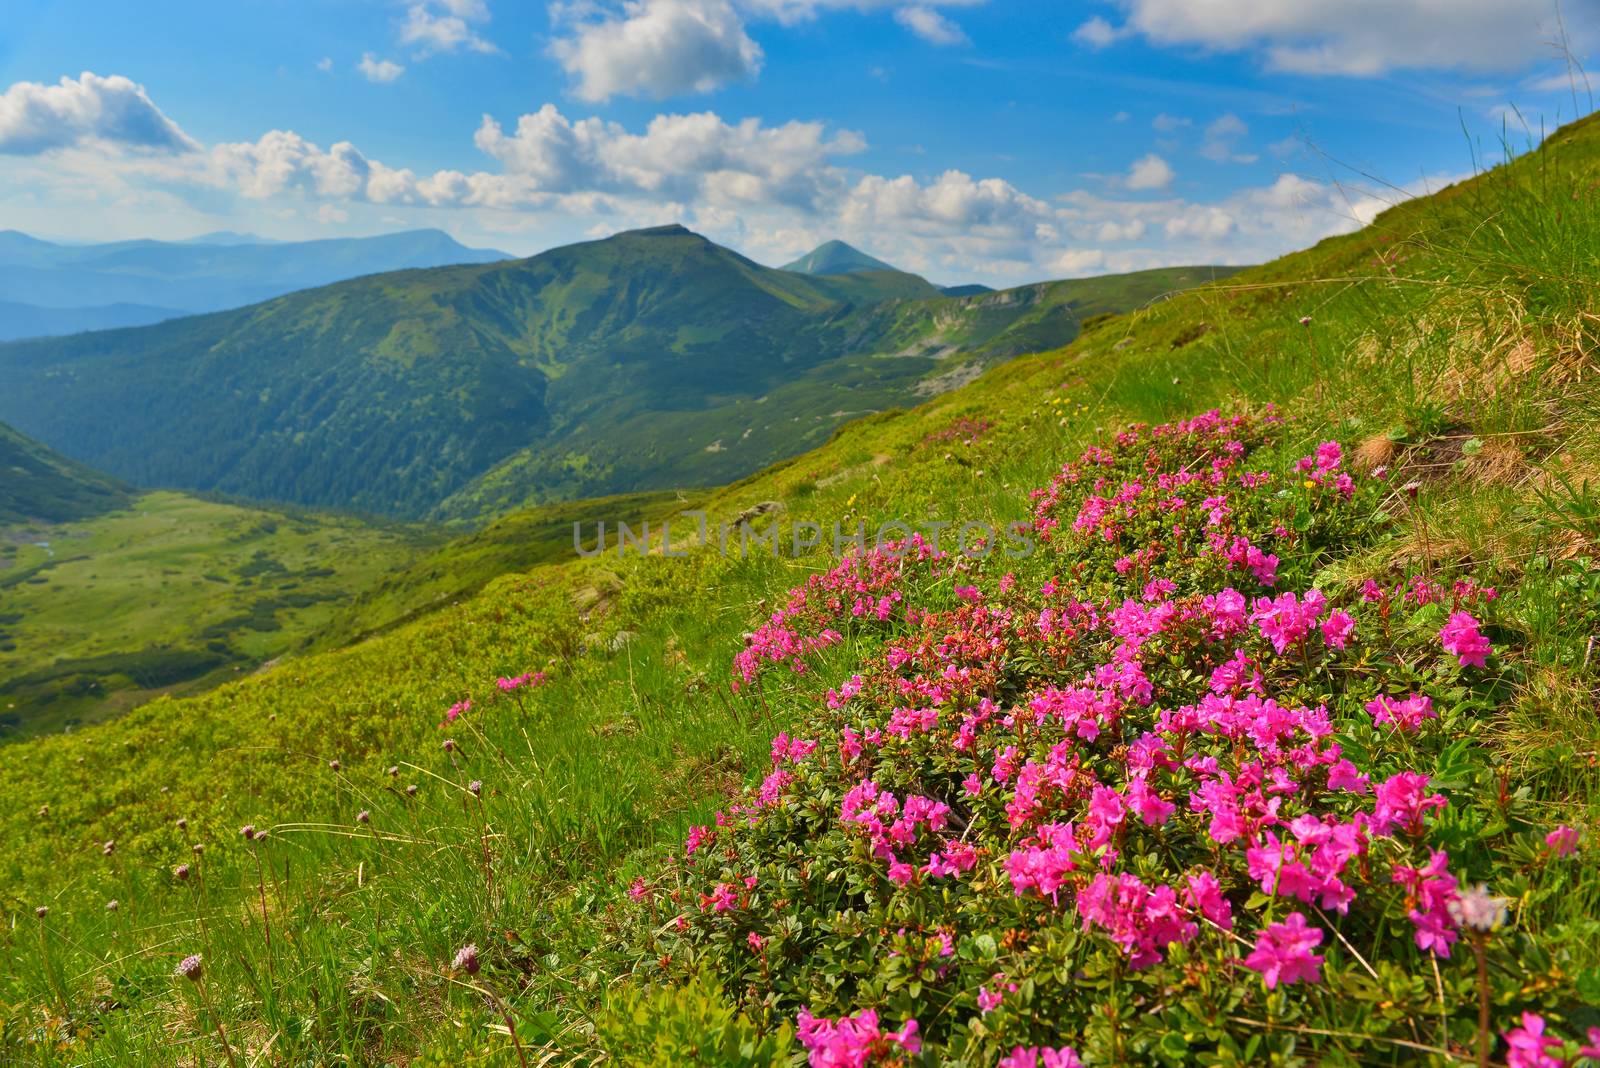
990, 140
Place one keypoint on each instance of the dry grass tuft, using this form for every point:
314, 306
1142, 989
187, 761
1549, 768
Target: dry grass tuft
1377, 451
1500, 461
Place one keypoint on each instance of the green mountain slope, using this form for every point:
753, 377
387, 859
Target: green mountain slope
602, 366
836, 257
39, 485
903, 351
550, 834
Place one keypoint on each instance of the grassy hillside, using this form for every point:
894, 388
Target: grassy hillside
167, 594
1452, 344
462, 566
392, 393
41, 485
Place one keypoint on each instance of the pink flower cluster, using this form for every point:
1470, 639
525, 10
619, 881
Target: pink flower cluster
1462, 639
852, 1041
1322, 469
867, 585
1408, 715
1132, 739
518, 682
1283, 952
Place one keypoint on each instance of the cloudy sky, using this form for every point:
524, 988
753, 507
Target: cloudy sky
970, 140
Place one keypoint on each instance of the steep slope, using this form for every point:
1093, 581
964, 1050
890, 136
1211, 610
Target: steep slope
549, 835
205, 275
39, 485
836, 257
618, 364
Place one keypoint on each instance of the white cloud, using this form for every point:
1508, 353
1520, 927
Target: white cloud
1080, 261
955, 201
37, 118
658, 48
1207, 222
374, 69
790, 12
769, 190
1566, 81
325, 64
666, 48
1169, 123
1353, 37
678, 156
1097, 33
445, 26
1149, 172
931, 26
1222, 138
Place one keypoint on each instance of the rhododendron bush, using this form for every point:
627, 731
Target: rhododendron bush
1164, 791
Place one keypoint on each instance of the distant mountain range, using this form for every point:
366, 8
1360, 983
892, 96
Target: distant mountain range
647, 360
48, 288
39, 485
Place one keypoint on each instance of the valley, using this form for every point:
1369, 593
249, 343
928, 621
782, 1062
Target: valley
1185, 664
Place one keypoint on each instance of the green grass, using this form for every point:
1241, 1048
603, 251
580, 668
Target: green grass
1485, 331
168, 595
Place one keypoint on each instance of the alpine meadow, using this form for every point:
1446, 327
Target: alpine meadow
1150, 619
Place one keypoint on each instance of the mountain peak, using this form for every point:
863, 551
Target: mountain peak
836, 257
669, 230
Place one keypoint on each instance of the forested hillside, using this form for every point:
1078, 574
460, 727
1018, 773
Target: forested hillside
647, 360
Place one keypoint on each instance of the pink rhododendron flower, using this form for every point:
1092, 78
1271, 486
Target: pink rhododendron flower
1142, 920
1203, 894
1563, 841
1529, 1047
1592, 1049
1343, 775
1286, 620
1431, 895
1462, 639
1283, 954
1337, 628
1400, 803
721, 899
852, 1041
518, 682
1406, 715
